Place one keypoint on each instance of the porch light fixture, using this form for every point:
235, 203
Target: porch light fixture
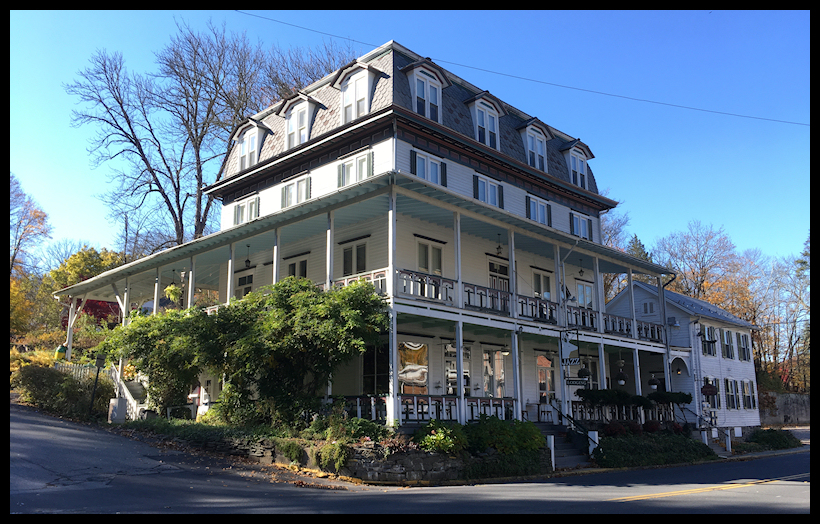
248, 260
581, 271
498, 247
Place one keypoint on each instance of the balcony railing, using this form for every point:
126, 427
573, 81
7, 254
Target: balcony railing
607, 413
582, 318
423, 285
538, 309
377, 277
487, 298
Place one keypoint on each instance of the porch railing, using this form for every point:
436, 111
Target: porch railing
376, 277
582, 317
538, 309
487, 298
608, 413
423, 285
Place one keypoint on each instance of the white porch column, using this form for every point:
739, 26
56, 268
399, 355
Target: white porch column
191, 281
393, 411
513, 277
329, 252
126, 304
516, 358
391, 244
559, 292
599, 294
601, 366
156, 293
461, 407
275, 269
229, 287
72, 313
637, 370
457, 248
632, 303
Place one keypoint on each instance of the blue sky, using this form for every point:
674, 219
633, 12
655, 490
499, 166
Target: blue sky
666, 165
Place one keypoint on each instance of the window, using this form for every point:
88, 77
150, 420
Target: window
247, 150
354, 98
541, 285
246, 211
429, 259
580, 226
451, 369
648, 308
488, 191
707, 340
748, 395
585, 295
539, 211
499, 276
375, 370
295, 192
428, 168
743, 350
298, 268
354, 259
726, 344
243, 286
578, 165
486, 125
355, 169
297, 126
536, 149
713, 400
427, 96
731, 394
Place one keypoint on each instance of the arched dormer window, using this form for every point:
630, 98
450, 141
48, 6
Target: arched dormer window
427, 82
486, 111
298, 113
355, 81
535, 135
249, 138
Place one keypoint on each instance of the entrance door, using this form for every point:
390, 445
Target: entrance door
451, 370
493, 374
546, 378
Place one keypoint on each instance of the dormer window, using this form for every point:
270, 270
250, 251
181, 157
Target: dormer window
428, 95
486, 125
297, 126
536, 149
247, 150
578, 168
354, 97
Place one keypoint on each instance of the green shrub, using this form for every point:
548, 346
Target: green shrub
57, 392
774, 439
441, 437
506, 437
332, 456
614, 429
651, 426
649, 450
289, 448
521, 462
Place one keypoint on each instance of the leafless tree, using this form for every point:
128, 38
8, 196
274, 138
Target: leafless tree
28, 225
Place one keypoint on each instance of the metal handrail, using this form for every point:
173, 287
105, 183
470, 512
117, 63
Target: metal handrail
574, 422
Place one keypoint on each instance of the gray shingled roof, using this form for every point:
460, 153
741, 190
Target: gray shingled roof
698, 307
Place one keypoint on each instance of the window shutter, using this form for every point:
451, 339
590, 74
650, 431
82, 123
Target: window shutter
236, 214
307, 196
284, 197
571, 224
549, 215
500, 196
443, 172
589, 227
412, 162
527, 206
475, 186
370, 164
341, 175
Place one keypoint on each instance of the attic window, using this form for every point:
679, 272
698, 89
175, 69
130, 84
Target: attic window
247, 149
578, 169
487, 125
427, 95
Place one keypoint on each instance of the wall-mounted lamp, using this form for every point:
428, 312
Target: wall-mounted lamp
498, 247
248, 260
581, 271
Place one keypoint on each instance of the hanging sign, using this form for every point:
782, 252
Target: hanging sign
577, 381
574, 361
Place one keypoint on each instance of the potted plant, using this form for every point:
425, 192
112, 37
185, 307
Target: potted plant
584, 372
653, 382
173, 292
621, 378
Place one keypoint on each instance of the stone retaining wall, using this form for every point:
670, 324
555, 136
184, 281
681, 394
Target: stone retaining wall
368, 461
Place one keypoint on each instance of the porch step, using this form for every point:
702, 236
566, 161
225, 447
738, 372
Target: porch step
568, 455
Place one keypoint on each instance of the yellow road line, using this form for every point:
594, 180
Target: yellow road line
703, 490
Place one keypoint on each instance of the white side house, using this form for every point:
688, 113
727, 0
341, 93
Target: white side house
719, 350
478, 223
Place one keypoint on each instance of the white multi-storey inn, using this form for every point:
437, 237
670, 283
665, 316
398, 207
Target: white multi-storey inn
479, 223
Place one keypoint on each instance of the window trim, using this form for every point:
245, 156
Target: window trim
291, 195
579, 177
708, 348
248, 149
251, 204
430, 246
294, 128
425, 161
491, 114
354, 261
488, 183
583, 221
296, 261
428, 81
530, 202
343, 179
539, 275
352, 83
538, 161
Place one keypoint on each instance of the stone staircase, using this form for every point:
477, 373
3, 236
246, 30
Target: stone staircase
568, 454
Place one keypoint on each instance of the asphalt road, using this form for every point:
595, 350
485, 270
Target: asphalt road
57, 466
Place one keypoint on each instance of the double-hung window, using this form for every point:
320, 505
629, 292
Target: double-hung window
743, 350
486, 125
244, 285
579, 175
539, 211
295, 192
297, 126
355, 169
585, 297
428, 95
429, 258
707, 340
354, 98
247, 150
731, 394
298, 266
748, 395
726, 344
536, 150
354, 259
580, 226
246, 210
488, 191
541, 285
428, 167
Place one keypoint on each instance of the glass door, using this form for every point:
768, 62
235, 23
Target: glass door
493, 374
